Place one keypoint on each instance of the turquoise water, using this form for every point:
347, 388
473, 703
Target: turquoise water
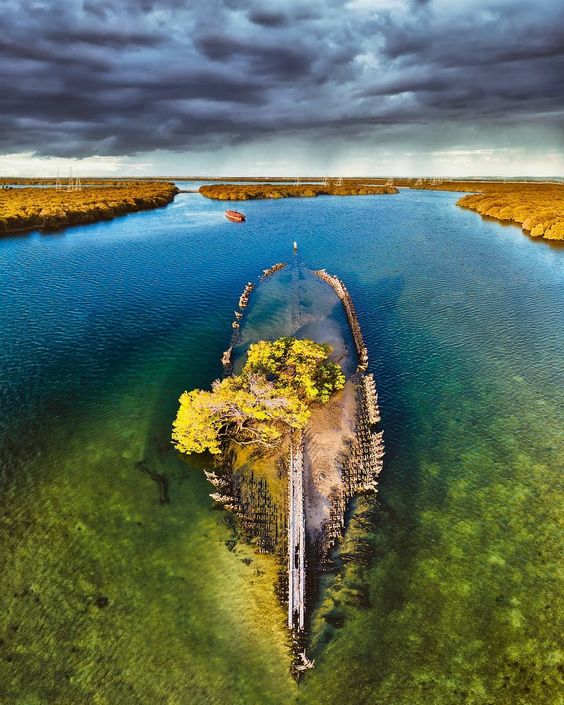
111, 597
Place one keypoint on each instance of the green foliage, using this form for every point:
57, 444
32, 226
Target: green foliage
247, 409
257, 408
301, 365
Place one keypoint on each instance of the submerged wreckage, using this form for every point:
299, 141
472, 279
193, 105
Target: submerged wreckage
293, 504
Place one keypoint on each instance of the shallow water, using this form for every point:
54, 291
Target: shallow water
295, 302
109, 596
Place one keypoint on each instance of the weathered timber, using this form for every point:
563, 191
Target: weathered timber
343, 294
271, 270
260, 522
244, 298
296, 538
370, 398
362, 463
226, 357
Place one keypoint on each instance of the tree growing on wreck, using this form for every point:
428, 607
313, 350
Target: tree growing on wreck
271, 397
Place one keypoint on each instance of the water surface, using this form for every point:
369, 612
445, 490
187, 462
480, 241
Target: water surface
110, 596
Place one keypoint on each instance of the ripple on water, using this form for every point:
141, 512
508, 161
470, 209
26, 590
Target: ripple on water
111, 595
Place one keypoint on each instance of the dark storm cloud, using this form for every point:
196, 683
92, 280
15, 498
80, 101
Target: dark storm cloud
115, 38
268, 19
96, 77
275, 62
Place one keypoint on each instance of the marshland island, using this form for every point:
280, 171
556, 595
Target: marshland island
245, 192
77, 203
291, 429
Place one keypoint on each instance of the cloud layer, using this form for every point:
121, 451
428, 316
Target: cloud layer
92, 77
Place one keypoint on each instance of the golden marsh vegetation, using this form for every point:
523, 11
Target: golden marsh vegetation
244, 192
48, 208
537, 207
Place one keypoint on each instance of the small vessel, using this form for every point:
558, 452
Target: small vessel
235, 216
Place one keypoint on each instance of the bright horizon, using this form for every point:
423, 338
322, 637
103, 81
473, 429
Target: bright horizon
546, 165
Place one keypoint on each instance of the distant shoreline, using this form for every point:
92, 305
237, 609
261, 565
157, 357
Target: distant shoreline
247, 192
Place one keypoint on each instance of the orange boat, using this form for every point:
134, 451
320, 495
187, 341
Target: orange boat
235, 216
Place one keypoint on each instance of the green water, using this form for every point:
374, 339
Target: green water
111, 597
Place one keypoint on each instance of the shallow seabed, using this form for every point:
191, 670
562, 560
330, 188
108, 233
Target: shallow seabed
111, 597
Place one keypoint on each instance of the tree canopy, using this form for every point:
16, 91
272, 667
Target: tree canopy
280, 380
301, 365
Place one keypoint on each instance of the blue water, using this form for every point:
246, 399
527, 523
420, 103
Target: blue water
103, 326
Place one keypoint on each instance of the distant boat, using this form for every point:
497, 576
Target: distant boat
235, 216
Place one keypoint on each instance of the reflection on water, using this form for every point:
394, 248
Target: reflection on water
110, 596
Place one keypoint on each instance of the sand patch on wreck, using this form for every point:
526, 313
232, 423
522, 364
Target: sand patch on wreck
327, 437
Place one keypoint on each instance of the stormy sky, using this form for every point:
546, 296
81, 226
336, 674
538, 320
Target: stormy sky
367, 87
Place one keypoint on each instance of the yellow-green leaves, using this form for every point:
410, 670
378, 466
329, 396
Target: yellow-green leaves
301, 365
257, 408
197, 425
